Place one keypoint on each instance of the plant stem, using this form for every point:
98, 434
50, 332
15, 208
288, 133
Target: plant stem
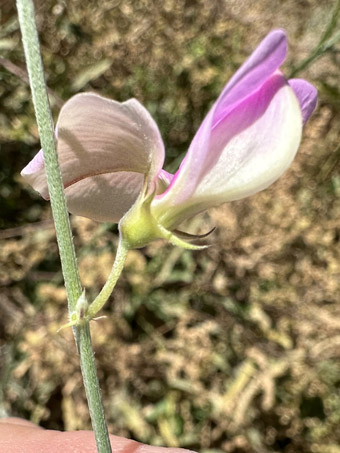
46, 132
88, 369
61, 218
326, 43
107, 289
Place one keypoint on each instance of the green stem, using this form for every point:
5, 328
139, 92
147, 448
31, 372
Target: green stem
326, 43
88, 369
107, 289
46, 132
61, 218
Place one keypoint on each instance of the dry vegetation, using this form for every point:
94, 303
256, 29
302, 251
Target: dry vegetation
232, 349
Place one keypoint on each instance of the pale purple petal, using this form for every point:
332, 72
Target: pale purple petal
34, 174
104, 198
255, 143
98, 137
163, 181
36, 164
261, 65
35, 167
166, 176
307, 96
264, 61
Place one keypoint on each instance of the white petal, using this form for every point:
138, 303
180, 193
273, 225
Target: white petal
257, 143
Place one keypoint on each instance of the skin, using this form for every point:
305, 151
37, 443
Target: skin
21, 436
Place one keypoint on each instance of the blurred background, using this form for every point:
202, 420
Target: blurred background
232, 349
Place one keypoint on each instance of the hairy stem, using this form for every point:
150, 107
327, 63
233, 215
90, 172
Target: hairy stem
92, 389
61, 218
46, 132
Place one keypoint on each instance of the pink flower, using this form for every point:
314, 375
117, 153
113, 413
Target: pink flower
111, 154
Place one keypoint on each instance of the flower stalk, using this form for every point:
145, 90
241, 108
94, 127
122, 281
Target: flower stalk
61, 218
111, 281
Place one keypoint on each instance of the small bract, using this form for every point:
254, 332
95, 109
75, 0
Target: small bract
111, 154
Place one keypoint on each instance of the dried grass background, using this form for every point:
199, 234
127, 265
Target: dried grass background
232, 349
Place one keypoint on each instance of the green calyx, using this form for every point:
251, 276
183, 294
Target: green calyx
139, 227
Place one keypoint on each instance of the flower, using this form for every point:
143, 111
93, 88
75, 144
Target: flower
111, 154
